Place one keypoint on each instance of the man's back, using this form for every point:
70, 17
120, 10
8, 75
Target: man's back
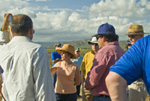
26, 71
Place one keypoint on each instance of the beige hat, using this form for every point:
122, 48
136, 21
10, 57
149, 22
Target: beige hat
68, 48
135, 30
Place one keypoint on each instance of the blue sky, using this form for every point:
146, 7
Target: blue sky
71, 4
66, 20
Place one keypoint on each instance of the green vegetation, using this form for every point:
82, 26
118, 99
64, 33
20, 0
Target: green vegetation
82, 44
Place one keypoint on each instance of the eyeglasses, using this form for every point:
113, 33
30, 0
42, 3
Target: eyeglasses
131, 36
97, 37
33, 31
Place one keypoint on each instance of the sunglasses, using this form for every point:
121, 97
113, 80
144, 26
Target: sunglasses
97, 37
33, 31
131, 36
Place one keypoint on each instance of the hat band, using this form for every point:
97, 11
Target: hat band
136, 32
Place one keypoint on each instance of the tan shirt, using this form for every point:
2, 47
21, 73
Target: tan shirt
67, 78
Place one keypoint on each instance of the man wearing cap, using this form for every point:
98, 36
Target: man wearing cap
78, 62
131, 67
109, 53
86, 65
55, 57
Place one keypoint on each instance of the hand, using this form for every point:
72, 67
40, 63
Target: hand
5, 21
57, 60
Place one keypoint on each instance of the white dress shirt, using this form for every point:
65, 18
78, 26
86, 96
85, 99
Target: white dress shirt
26, 71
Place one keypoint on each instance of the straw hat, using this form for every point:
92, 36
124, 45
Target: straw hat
68, 48
135, 30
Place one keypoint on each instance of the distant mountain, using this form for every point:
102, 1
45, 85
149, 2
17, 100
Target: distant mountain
79, 43
46, 44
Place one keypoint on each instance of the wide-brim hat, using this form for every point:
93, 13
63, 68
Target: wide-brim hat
135, 29
68, 48
106, 29
93, 41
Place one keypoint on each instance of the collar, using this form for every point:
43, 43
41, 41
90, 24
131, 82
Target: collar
20, 39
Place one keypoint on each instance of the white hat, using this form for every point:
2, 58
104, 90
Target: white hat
94, 40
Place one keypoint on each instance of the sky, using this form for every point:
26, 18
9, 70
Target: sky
67, 20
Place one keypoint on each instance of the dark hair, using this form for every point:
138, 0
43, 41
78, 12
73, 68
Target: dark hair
20, 24
109, 37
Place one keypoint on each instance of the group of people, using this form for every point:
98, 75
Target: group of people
104, 72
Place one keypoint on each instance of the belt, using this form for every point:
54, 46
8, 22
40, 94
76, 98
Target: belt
103, 96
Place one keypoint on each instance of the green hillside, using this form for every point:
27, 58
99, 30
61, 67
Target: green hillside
83, 44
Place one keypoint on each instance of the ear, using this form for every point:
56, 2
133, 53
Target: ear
103, 39
30, 33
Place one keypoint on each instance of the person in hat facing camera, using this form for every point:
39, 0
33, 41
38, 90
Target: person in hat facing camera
109, 53
86, 65
68, 74
133, 65
78, 62
55, 57
137, 90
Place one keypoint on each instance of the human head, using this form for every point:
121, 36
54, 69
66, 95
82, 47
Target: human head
135, 32
67, 48
105, 34
94, 44
21, 25
57, 44
77, 51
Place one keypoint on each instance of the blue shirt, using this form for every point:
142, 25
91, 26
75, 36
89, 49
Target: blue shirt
135, 63
54, 56
78, 61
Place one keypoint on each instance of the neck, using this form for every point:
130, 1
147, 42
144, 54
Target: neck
67, 60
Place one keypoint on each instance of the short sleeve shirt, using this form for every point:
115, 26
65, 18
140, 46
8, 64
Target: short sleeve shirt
135, 63
54, 56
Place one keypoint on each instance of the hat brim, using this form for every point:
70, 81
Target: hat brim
89, 42
59, 49
134, 33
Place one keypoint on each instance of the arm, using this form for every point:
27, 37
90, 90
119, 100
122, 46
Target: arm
43, 87
116, 86
77, 76
82, 76
82, 67
4, 34
6, 22
53, 70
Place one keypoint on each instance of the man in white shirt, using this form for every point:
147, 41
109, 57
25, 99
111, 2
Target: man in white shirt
25, 64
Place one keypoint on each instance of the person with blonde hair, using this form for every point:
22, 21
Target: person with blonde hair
68, 74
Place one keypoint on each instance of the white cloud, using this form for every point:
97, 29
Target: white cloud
69, 24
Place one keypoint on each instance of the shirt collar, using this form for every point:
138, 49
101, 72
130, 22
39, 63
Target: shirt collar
20, 39
113, 43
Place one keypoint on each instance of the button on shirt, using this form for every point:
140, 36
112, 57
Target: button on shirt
104, 59
26, 71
